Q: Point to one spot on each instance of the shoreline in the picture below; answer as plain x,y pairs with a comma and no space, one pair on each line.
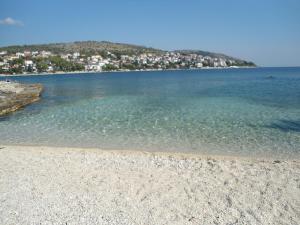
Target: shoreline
41,185
122,71
177,154
126,71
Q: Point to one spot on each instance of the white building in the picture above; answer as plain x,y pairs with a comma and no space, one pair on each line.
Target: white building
45,54
66,56
27,53
223,63
20,54
30,66
199,65
76,55
34,53
28,63
96,58
50,69
95,66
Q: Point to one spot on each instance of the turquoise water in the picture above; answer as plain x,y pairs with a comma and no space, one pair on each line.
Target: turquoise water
228,112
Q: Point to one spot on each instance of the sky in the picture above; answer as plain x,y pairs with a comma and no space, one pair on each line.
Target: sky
266,32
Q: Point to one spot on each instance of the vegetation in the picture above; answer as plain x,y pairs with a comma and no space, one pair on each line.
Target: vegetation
57,63
238,62
85,48
109,67
18,62
15,70
60,64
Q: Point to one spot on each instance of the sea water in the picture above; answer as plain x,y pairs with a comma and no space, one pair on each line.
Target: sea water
241,112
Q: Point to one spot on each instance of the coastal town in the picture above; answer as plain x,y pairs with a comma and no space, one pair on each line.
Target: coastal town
30,62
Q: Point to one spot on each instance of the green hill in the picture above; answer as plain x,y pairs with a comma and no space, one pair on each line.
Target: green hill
90,47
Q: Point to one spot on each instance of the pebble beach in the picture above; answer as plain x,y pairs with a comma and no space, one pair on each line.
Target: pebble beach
47,185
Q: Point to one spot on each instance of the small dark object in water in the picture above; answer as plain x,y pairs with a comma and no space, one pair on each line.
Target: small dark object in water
270,77
276,161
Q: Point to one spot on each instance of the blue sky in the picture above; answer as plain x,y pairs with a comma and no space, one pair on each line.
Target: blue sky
264,31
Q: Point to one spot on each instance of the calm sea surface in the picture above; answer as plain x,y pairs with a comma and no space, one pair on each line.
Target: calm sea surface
228,112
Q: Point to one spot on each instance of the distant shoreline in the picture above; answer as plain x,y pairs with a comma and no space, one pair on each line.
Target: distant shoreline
121,71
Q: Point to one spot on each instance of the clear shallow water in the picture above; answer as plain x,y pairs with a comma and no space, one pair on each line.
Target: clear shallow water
227,112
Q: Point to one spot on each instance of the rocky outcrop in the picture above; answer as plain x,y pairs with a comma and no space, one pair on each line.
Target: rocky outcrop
14,96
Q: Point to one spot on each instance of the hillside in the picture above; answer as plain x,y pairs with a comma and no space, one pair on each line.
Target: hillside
206,53
106,56
84,47
95,47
